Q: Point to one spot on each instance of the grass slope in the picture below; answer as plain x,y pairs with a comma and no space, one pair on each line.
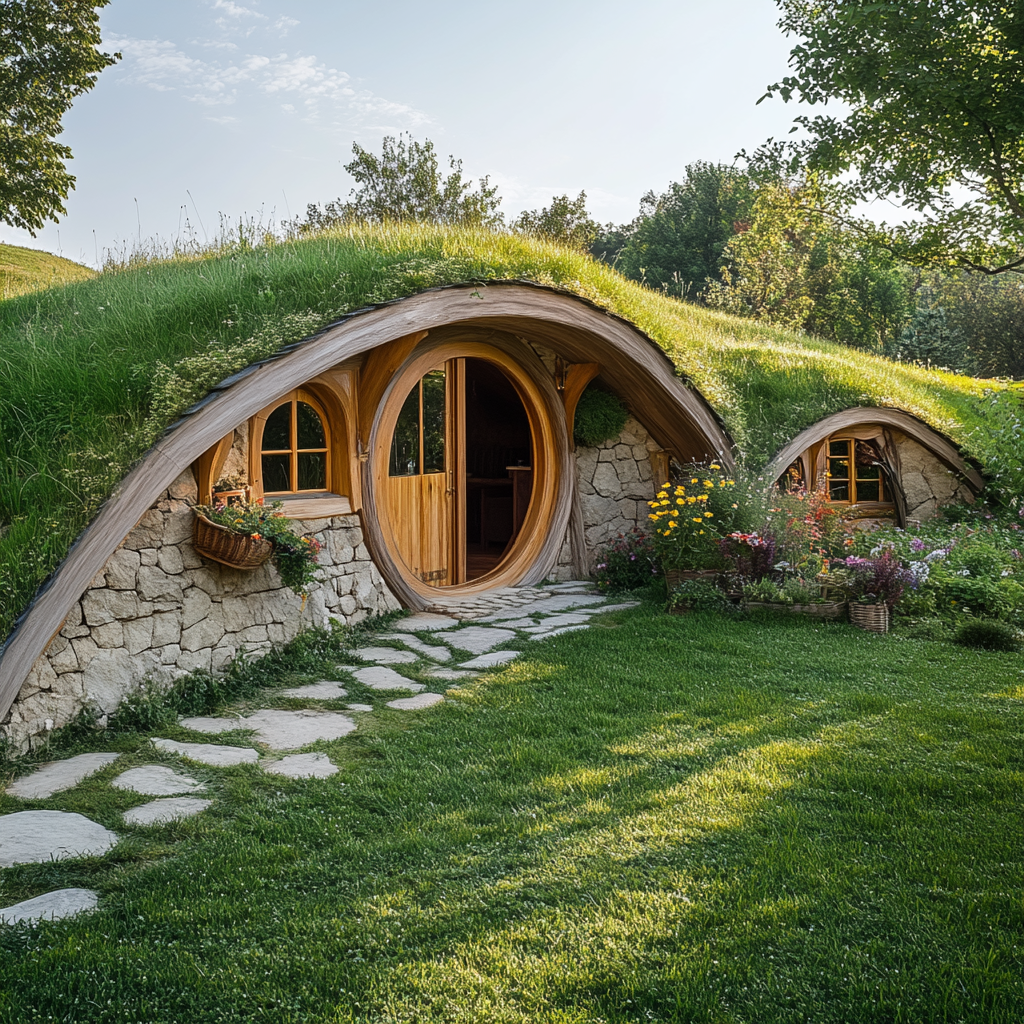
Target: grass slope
662,819
91,373
28,270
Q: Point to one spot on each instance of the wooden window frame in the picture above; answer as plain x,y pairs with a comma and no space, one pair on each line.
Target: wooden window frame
257,452
852,480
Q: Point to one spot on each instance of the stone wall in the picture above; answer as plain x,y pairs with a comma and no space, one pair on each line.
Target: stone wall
158,610
927,482
614,482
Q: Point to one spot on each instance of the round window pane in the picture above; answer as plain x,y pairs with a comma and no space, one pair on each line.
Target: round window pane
277,434
309,428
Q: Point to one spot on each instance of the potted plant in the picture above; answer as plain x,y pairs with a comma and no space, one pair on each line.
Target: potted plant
245,534
873,586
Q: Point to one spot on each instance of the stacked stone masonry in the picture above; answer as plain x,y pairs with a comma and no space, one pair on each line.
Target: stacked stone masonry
158,611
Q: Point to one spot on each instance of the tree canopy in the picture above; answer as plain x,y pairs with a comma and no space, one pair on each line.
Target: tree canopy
48,57
936,119
565,220
405,183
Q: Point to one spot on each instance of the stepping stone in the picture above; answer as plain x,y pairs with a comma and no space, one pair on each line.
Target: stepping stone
204,723
359,707
324,690
566,619
159,812
620,607
558,632
51,906
281,730
384,655
209,753
572,585
450,673
477,639
513,623
382,678
155,780
425,622
421,700
59,775
302,766
37,837
435,651
491,660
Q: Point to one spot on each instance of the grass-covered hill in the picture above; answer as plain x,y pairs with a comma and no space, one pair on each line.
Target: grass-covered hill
91,372
29,270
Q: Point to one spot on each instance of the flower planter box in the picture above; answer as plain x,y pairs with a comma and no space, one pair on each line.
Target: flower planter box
872,617
236,550
673,577
826,610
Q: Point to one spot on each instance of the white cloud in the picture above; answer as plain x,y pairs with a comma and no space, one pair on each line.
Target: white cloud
301,84
284,23
236,11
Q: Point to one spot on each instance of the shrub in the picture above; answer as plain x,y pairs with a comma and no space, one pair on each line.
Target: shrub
600,416
627,563
988,634
691,517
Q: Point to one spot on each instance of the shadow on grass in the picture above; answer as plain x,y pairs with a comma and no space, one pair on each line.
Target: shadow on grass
676,819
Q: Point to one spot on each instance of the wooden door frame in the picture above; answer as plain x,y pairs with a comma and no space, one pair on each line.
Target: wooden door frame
536,548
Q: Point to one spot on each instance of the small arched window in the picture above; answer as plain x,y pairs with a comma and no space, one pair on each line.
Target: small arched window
855,473
295,447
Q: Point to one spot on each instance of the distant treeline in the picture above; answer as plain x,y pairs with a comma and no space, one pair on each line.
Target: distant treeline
754,243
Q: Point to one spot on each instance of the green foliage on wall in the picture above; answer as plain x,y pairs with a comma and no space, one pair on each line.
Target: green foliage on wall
600,416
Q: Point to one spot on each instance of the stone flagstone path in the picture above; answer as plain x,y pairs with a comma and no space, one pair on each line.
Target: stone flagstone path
428,644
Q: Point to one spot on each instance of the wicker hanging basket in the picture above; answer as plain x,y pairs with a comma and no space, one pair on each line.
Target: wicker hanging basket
872,617
237,550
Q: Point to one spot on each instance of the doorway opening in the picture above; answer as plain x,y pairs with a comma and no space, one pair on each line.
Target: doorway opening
498,481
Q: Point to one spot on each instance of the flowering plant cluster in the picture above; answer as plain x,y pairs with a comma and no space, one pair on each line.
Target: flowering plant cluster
294,556
751,555
690,517
630,561
880,580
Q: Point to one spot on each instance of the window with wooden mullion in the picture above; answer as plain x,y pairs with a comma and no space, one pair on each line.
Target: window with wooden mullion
294,451
851,482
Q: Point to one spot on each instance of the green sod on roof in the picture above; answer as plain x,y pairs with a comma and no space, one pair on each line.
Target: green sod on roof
92,372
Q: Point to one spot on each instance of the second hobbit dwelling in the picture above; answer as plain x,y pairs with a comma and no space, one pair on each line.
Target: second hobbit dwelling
426,440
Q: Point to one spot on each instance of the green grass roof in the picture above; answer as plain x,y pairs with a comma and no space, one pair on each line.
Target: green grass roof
91,372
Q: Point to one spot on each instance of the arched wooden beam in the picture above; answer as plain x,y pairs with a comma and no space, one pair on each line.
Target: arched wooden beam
938,444
578,330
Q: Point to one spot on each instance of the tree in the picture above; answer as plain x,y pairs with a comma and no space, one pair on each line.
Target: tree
405,184
936,100
676,243
565,220
48,58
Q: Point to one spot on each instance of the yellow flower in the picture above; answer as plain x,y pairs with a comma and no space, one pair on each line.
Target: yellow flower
714,465
709,515
672,524
702,497
709,483
697,519
665,502
694,480
680,501
662,494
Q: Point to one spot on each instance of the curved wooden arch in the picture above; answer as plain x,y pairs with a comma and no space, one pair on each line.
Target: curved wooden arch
677,417
938,444
536,549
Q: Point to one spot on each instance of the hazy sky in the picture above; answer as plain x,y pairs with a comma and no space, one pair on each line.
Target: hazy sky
231,108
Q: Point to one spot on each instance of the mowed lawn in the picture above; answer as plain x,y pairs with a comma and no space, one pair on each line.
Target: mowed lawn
660,819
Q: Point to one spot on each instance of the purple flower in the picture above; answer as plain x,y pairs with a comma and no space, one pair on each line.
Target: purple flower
917,544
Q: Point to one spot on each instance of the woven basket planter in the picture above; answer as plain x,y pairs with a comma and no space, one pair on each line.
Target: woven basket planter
872,617
827,610
237,550
673,577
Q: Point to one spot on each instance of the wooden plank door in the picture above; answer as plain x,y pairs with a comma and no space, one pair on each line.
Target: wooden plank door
423,478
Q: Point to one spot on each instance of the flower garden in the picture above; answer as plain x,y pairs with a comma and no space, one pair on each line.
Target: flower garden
730,546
